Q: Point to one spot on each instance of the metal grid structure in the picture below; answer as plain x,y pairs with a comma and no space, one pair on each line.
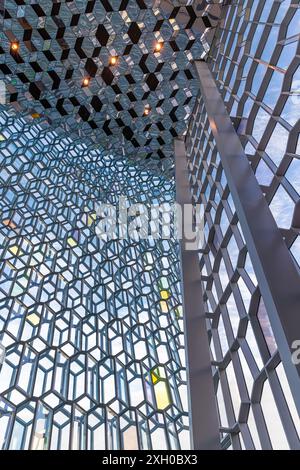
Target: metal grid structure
63,42
92,328
93,331
256,63
255,404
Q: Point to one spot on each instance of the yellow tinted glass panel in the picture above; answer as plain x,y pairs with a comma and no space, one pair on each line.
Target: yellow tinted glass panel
90,220
33,318
178,311
162,395
14,249
165,295
72,242
154,377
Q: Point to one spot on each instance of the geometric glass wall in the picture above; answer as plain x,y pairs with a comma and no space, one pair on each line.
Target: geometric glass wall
92,352
92,328
255,404
255,62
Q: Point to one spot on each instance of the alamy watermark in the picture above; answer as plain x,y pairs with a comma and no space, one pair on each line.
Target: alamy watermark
296,352
2,92
158,221
2,354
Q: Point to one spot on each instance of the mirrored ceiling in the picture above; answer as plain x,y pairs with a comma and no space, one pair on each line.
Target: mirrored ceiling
116,72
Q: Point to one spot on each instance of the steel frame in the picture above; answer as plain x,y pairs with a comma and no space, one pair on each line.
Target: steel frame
212,147
275,270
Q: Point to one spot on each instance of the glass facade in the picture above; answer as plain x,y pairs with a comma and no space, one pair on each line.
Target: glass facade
255,405
92,328
255,60
97,332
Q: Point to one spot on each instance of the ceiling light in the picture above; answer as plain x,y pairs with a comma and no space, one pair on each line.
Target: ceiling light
113,60
86,81
147,110
158,47
15,46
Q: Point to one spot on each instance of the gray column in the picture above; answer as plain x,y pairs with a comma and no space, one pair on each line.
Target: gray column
202,403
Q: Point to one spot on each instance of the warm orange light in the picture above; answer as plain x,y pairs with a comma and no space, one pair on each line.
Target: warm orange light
86,81
147,110
15,46
113,60
158,47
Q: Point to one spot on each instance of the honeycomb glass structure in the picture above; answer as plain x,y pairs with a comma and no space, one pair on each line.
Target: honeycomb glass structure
120,343
63,43
92,328
254,61
255,405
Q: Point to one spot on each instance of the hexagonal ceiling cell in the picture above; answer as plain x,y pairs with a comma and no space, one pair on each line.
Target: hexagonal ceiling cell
62,72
